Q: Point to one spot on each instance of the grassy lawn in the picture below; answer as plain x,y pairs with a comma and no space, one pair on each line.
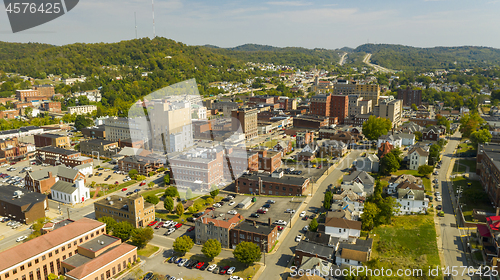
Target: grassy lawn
465,147
460,166
410,242
270,144
473,197
148,250
174,217
241,269
319,160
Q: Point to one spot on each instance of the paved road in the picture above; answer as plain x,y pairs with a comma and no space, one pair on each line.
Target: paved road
377,67
450,235
342,59
277,262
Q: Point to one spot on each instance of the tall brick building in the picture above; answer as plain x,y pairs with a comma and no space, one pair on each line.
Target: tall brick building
247,119
330,106
410,97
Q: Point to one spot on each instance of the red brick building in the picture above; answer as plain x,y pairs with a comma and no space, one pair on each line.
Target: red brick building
410,96
9,114
269,160
143,165
42,180
311,122
330,106
52,106
258,233
54,156
275,184
11,149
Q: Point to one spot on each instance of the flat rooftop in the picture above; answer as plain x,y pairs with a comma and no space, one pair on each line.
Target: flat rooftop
99,243
77,260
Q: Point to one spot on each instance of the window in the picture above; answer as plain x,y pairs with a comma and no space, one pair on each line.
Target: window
74,243
7,275
29,264
102,276
50,254
31,275
14,271
70,254
38,274
64,257
36,261
134,258
51,267
119,267
22,267
124,264
23,277
58,264
45,270
63,248
69,245
57,251
108,274
87,237
81,240
114,271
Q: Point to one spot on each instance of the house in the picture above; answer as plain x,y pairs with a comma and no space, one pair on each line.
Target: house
215,225
417,157
70,193
395,181
412,201
407,139
368,163
86,169
354,186
321,238
488,237
410,127
345,230
384,149
431,133
332,148
362,177
394,140
346,137
314,269
311,249
283,146
264,235
351,198
305,156
354,254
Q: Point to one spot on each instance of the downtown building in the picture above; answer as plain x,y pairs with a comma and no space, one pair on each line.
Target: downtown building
331,106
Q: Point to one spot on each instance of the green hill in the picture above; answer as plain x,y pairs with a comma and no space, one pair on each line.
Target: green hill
411,58
10,51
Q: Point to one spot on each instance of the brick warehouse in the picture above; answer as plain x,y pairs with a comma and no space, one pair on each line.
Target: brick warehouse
275,184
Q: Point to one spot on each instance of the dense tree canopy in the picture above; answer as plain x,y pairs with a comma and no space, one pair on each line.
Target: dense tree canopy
247,253
374,127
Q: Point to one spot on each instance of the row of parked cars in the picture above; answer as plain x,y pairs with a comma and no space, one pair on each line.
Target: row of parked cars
12,224
184,262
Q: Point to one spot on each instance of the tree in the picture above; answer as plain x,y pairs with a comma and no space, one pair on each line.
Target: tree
110,223
374,127
37,227
168,203
153,199
397,154
179,209
313,225
414,107
389,164
247,253
189,193
52,276
183,244
368,217
434,154
470,123
214,191
211,248
133,173
388,208
141,236
327,202
425,170
83,100
480,136
81,122
418,135
166,179
172,192
140,177
123,230
209,201
151,184
444,122
28,112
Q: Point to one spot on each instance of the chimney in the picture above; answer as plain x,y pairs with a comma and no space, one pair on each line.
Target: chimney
50,174
269,221
498,211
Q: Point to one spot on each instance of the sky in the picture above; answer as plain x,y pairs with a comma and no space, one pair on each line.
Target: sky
311,24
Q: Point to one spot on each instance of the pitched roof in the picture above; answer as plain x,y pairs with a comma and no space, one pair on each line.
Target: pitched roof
362,175
102,260
405,178
417,194
60,170
354,255
46,242
421,152
64,187
341,223
409,186
384,149
352,186
320,250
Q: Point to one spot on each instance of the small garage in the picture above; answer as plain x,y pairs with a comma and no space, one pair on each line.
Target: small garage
245,202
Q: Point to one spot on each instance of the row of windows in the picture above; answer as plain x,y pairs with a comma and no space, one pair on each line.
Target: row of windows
56,251
114,270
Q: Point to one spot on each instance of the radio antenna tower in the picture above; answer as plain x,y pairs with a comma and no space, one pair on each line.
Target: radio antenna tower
135,19
154,32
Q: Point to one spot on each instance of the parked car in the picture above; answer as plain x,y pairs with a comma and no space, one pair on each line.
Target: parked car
254,215
159,225
142,184
267,205
439,207
205,266
231,203
231,270
183,262
280,228
137,190
169,231
281,222
270,201
232,212
302,214
261,211
199,265
152,223
298,238
148,276
177,261
172,259
306,228
224,270
124,189
190,229
211,267
216,270
234,277
177,226
130,193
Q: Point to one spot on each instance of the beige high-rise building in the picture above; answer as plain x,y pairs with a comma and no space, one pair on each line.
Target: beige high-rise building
247,118
171,125
391,109
366,91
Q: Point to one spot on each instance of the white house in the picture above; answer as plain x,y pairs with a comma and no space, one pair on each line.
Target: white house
412,201
66,192
362,177
368,163
394,140
354,203
395,181
355,187
417,157
311,148
407,139
345,230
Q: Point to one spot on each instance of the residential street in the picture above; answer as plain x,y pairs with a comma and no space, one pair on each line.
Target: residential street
452,248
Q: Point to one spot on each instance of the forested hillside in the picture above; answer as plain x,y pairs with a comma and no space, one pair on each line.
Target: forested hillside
10,51
401,57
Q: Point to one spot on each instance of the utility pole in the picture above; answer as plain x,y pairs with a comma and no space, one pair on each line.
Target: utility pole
68,213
